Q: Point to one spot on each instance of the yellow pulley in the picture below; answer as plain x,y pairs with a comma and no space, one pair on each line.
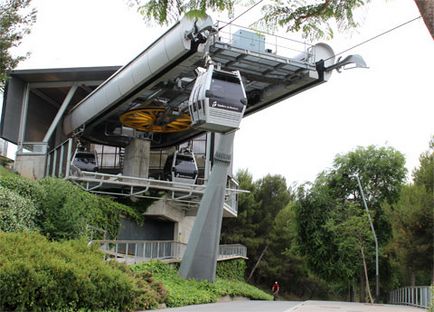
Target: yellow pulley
154,119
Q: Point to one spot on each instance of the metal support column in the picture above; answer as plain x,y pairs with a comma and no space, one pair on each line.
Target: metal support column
60,112
23,118
200,258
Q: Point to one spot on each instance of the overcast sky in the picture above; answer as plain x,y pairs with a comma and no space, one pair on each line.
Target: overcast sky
389,104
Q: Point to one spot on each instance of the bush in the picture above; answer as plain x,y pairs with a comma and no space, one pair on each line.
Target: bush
39,275
233,269
16,212
5,171
68,210
25,187
182,292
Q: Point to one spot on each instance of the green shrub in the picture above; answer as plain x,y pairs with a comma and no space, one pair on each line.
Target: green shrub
16,212
182,292
67,211
39,275
5,171
233,269
25,187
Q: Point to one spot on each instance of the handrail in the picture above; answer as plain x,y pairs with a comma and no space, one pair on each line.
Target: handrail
135,251
417,296
96,182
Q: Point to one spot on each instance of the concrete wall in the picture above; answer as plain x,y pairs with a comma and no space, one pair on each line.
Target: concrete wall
136,160
173,211
184,228
151,229
30,166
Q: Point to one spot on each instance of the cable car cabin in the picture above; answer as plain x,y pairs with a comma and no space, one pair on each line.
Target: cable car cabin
217,101
181,167
85,161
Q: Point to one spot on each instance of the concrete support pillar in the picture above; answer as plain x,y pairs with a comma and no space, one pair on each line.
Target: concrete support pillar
30,166
200,258
136,159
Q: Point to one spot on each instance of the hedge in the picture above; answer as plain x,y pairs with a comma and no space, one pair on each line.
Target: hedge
16,212
182,292
25,187
59,209
39,275
68,211
233,269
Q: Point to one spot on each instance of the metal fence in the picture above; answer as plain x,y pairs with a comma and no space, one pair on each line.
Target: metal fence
234,250
264,42
59,159
135,251
418,296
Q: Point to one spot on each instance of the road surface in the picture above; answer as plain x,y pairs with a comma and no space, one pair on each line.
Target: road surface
292,306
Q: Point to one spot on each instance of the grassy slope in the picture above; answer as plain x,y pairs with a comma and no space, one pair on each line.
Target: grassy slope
185,292
5,172
182,292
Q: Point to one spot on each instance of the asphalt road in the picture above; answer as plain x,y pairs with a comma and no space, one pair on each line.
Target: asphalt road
238,306
293,306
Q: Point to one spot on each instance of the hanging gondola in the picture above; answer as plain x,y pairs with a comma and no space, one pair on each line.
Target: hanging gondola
181,167
218,100
85,160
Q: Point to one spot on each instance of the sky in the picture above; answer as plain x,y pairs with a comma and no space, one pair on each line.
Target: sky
389,104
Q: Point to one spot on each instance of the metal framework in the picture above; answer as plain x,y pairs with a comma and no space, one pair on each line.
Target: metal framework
136,251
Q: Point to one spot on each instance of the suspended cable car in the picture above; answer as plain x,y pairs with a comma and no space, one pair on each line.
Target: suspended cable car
218,100
181,167
85,160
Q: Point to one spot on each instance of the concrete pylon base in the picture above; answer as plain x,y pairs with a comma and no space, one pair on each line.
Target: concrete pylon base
200,258
136,159
30,166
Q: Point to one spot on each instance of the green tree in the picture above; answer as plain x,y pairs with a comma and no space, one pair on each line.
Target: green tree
314,205
242,229
354,242
284,263
335,193
16,20
412,223
424,174
381,171
256,213
314,18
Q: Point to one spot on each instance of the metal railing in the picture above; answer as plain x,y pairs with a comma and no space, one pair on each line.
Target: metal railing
59,160
135,251
264,42
232,250
418,296
32,148
118,185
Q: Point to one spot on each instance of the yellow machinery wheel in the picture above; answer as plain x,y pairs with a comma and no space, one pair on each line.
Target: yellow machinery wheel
154,119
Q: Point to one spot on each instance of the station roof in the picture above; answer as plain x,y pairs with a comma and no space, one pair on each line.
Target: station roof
49,84
65,74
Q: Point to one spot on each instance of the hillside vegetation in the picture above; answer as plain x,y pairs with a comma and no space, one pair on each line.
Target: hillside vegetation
47,265
315,238
58,208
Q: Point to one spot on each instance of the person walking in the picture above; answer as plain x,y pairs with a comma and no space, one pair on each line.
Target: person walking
275,290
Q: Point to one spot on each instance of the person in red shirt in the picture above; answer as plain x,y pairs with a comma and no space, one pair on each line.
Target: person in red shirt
275,290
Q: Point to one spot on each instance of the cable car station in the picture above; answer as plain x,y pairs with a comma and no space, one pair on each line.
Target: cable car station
162,126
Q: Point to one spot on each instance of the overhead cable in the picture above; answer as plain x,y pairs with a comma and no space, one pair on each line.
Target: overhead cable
375,37
234,19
